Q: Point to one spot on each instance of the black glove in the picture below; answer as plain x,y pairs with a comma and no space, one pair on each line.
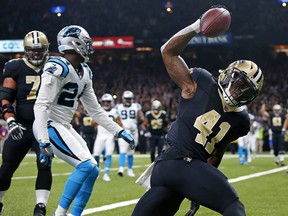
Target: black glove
15,129
127,137
193,209
46,153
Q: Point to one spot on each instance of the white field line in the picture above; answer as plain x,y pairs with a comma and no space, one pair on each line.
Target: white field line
131,202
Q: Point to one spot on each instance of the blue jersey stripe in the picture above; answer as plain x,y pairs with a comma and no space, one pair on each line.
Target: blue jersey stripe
62,64
53,135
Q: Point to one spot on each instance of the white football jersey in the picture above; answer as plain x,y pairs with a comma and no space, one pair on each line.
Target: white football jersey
111,114
128,115
61,89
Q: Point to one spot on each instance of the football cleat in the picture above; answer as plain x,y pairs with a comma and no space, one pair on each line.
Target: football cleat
40,209
130,173
106,178
121,171
1,208
193,209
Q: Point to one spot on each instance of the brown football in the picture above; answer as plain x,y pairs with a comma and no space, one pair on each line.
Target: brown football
215,22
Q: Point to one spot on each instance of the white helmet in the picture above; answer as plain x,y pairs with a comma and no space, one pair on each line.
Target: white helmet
277,109
36,47
107,101
76,38
127,98
240,83
156,105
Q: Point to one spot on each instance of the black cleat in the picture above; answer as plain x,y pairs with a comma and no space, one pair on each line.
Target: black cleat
193,209
40,209
1,208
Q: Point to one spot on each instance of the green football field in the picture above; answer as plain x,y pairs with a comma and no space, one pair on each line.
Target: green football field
261,185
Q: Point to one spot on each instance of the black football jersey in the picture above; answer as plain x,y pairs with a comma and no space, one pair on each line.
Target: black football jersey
157,122
28,83
202,124
276,122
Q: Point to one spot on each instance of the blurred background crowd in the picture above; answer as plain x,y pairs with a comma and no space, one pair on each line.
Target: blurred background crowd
259,32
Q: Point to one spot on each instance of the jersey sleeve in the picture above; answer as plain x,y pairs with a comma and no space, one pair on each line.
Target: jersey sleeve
11,69
56,67
50,86
91,104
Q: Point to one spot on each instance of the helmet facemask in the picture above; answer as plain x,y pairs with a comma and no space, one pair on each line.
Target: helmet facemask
127,98
36,48
107,101
237,87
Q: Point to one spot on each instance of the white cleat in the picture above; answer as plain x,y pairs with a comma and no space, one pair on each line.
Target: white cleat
121,171
106,178
130,173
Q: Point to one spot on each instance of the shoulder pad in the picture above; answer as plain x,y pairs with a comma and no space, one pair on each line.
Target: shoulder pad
11,66
57,67
138,105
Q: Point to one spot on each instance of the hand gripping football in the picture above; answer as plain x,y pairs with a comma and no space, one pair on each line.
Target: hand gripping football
215,22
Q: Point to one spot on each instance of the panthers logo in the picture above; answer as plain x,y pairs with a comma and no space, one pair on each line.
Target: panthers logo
72,32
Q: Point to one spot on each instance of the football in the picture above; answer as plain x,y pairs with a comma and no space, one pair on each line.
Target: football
215,22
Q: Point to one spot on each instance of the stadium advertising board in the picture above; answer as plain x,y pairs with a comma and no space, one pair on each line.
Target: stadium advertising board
220,40
113,42
11,46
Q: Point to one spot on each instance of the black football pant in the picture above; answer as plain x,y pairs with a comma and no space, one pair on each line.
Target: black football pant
174,180
13,153
155,141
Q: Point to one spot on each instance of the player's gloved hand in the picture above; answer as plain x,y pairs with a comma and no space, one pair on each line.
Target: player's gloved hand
46,153
193,209
15,129
127,137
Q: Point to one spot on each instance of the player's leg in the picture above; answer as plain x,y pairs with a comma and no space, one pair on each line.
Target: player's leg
70,147
275,148
98,147
109,146
43,182
153,142
158,201
130,155
202,183
13,153
123,148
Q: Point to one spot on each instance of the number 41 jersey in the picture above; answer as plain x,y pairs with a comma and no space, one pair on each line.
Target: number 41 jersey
205,122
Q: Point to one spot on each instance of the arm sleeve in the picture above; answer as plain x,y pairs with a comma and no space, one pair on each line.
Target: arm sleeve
49,88
94,109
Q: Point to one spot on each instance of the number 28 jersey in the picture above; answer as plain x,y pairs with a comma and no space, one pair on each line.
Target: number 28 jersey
204,122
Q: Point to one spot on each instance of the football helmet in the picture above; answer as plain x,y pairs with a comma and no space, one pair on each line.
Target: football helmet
76,38
277,109
240,82
107,101
127,98
36,47
156,106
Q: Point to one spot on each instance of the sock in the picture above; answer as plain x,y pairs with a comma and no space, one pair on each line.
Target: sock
240,153
122,159
42,196
85,192
2,194
74,183
60,211
130,160
108,163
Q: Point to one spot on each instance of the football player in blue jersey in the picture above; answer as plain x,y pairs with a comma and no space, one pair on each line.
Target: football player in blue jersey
20,85
66,81
209,118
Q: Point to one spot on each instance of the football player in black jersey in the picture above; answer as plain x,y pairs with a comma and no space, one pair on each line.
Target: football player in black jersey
156,122
276,118
210,116
18,95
